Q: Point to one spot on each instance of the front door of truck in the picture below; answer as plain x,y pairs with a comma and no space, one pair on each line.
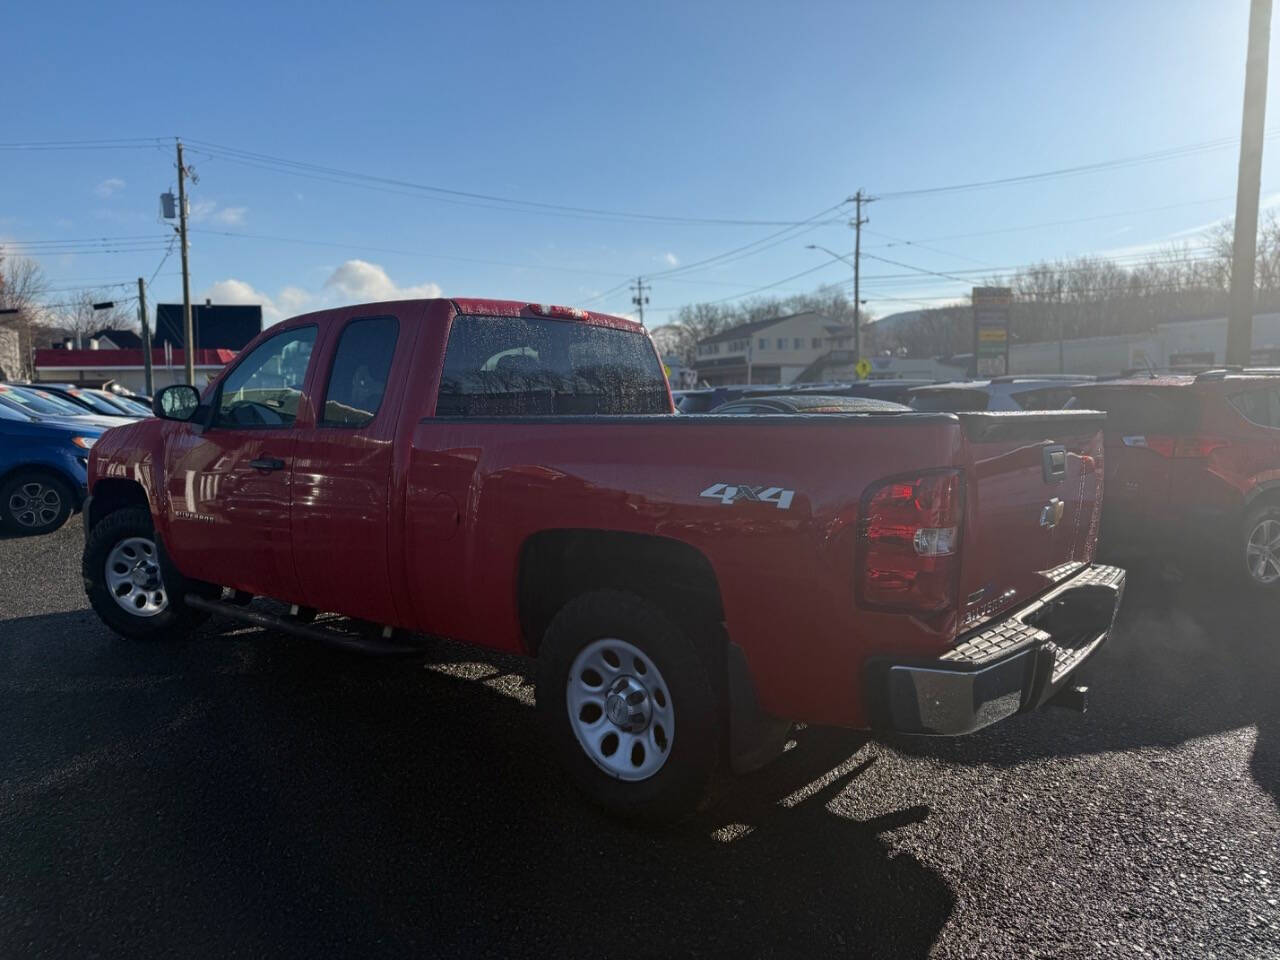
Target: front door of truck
343,467
229,485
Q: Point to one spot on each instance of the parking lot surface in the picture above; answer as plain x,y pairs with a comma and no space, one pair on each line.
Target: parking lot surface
249,794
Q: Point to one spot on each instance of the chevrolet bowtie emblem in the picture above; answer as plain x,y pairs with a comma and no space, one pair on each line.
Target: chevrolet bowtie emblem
1051,513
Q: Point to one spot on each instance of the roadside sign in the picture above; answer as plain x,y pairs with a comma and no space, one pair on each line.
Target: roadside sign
863,369
992,307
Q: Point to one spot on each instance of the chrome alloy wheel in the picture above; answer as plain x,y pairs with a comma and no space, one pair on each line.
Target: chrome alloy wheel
620,709
133,577
1262,554
35,504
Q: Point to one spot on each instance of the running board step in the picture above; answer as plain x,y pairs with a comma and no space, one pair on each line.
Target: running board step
366,646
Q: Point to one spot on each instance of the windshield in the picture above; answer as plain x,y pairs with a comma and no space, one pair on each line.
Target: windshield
39,402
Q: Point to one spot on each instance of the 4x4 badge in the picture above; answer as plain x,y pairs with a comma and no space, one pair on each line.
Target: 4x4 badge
728,493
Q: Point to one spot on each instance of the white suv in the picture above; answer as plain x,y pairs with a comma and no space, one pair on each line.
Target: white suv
1048,392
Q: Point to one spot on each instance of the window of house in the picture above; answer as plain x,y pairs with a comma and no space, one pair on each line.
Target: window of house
764,343
521,366
797,343
358,377
817,343
782,343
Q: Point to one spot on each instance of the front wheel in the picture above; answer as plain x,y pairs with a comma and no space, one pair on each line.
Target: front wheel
628,703
1261,554
34,502
124,583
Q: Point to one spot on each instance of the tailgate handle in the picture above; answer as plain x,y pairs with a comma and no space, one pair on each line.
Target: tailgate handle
267,463
1055,464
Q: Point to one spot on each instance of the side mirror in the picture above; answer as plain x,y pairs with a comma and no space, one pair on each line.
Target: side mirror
178,402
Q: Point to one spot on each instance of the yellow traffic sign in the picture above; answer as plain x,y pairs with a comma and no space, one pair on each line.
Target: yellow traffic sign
863,369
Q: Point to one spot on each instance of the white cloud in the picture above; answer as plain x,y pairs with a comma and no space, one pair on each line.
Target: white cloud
672,259
109,186
356,281
208,210
230,216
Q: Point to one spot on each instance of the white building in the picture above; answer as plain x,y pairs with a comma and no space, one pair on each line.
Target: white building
776,350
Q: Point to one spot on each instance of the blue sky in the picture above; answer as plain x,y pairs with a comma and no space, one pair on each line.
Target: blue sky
712,111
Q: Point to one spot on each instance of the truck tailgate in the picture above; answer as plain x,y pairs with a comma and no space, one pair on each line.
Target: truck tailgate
1032,502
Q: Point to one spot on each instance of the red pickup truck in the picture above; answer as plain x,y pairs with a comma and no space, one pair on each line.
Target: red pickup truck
515,476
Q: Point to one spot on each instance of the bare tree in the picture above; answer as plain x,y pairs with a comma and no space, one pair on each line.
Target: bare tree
77,316
22,286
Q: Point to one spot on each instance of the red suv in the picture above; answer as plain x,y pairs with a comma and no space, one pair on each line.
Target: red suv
1194,462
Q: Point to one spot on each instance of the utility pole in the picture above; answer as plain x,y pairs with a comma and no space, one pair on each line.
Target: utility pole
1248,184
858,220
640,296
188,342
1062,359
149,387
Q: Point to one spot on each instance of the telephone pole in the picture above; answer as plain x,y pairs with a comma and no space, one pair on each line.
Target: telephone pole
1248,184
146,339
640,296
858,220
188,342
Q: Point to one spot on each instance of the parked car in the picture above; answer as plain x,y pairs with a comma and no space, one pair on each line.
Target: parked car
43,463
706,399
808,403
512,475
96,401
1048,392
895,391
32,400
1193,463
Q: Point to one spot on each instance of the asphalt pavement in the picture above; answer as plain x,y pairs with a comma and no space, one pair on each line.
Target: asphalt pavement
246,794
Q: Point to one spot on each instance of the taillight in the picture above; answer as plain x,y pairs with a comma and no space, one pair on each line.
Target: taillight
1183,448
909,540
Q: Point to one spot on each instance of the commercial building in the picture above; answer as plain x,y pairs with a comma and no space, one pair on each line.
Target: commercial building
94,366
775,350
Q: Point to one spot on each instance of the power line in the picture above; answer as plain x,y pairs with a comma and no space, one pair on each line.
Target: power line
1171,153
304,168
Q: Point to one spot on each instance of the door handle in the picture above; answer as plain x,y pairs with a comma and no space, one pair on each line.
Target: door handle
267,463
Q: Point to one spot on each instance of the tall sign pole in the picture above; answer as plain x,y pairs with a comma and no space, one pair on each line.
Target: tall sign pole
188,341
1244,248
146,340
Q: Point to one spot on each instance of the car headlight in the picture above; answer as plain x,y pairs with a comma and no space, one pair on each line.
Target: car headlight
84,442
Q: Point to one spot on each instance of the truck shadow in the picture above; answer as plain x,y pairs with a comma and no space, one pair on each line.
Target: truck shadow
262,796
1190,658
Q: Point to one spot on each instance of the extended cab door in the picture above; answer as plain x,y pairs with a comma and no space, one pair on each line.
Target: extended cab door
228,484
342,474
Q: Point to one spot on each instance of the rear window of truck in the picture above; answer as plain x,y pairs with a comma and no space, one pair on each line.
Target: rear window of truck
949,401
523,366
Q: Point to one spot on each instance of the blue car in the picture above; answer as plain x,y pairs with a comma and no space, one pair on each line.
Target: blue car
43,463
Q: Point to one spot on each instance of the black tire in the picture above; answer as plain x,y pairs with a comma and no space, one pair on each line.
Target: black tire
173,622
33,502
695,752
1253,523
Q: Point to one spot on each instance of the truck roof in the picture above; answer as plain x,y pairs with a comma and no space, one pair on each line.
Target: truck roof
518,308
480,306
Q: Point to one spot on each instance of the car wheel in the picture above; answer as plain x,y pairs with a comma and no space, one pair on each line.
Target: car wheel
124,582
1261,536
627,703
35,502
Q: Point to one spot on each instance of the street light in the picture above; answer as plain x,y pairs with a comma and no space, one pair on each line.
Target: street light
857,304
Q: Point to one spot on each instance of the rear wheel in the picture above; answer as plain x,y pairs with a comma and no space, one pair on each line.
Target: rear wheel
628,704
1261,549
124,581
34,502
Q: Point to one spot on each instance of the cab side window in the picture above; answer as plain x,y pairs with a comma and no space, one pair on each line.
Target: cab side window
265,388
1259,406
358,378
